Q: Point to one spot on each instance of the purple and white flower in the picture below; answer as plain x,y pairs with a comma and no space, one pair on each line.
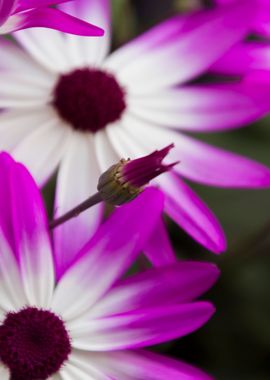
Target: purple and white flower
88,323
22,14
69,105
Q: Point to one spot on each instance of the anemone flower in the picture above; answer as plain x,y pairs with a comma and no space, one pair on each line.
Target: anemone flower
70,106
87,322
22,14
261,9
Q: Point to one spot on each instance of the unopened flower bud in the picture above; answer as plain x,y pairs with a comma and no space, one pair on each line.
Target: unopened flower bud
123,181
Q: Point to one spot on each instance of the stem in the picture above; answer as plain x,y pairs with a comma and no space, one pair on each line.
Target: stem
90,202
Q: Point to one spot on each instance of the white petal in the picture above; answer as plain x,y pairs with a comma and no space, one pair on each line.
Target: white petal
81,366
21,90
107,255
198,108
12,296
77,181
106,154
24,225
183,56
123,142
89,50
47,47
15,59
16,124
42,150
143,365
55,377
4,373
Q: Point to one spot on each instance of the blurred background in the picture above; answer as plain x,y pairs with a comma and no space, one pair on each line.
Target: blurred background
235,344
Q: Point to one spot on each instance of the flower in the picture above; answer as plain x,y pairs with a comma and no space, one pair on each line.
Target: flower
87,322
68,106
22,14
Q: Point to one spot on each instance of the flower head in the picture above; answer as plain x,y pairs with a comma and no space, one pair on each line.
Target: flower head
87,321
122,182
69,104
22,14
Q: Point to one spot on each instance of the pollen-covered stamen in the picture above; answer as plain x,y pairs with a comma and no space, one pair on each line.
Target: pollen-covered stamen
89,99
124,181
34,344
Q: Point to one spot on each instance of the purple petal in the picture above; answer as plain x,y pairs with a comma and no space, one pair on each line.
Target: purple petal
262,23
261,9
148,41
180,282
6,7
158,249
92,11
139,365
206,164
181,203
22,5
141,328
108,255
244,57
50,18
199,108
219,29
98,12
188,210
24,224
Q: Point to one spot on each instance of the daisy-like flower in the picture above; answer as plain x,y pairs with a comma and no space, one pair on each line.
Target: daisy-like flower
22,14
88,323
70,106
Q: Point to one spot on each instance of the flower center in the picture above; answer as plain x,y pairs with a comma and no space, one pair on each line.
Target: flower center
89,99
34,344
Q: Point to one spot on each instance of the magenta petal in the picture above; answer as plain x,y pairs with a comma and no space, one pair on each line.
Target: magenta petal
24,224
109,254
158,249
176,283
244,57
206,164
6,7
22,5
188,210
141,328
261,9
93,11
54,19
200,107
219,29
145,365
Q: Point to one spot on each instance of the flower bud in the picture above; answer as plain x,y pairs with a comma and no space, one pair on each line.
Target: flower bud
125,180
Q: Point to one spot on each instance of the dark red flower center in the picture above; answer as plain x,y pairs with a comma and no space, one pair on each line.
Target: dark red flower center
89,99
34,344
